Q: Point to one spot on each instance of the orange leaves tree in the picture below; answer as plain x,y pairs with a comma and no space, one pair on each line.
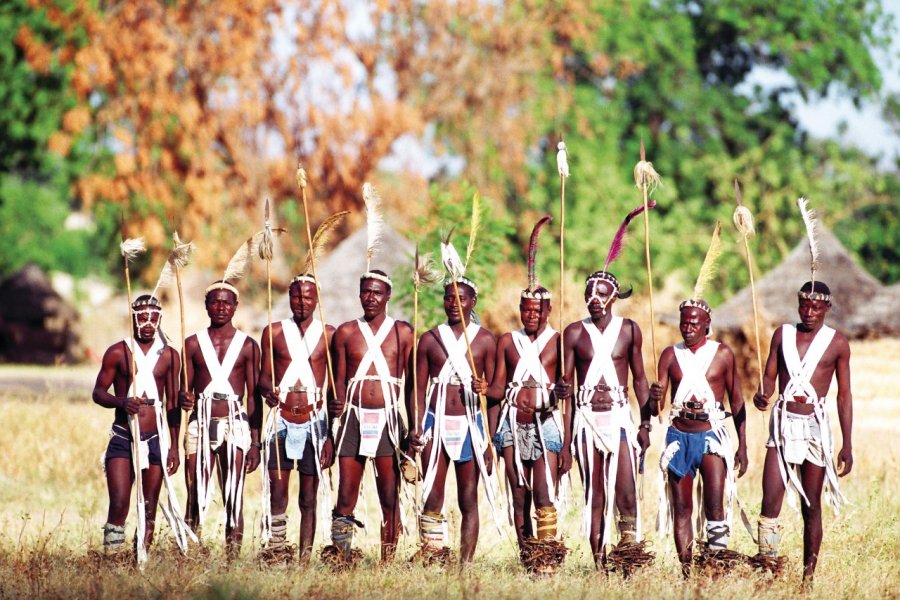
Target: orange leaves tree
204,108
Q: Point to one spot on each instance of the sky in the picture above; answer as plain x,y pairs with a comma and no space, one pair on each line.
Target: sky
865,128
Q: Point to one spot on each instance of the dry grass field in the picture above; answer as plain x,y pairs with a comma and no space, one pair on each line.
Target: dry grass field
53,506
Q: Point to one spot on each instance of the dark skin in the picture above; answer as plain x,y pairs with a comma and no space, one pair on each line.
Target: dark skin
534,315
303,302
430,360
115,371
723,378
220,307
349,348
626,355
834,362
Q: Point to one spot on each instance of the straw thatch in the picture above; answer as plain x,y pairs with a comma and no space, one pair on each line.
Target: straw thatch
341,267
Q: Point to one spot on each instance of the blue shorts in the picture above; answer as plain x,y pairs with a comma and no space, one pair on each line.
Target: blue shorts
692,447
465,454
120,445
528,442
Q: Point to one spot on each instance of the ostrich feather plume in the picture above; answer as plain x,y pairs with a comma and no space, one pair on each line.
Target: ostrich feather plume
709,264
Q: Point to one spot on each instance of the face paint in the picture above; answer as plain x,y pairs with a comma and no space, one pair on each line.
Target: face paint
602,292
148,317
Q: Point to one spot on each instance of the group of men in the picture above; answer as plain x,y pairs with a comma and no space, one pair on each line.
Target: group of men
541,398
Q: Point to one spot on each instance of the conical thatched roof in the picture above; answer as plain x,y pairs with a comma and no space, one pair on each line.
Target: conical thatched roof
340,269
877,318
852,288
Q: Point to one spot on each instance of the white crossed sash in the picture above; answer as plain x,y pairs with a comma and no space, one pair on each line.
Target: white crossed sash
300,348
144,385
219,373
602,429
800,384
528,368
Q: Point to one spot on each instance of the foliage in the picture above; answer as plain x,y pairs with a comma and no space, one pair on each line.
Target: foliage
702,130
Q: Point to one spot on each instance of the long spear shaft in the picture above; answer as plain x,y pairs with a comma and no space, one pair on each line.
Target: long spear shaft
133,424
271,346
301,179
644,194
415,419
745,239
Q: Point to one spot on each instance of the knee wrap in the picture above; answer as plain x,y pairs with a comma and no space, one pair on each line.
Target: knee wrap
628,530
718,534
113,538
546,522
769,532
431,529
278,536
342,532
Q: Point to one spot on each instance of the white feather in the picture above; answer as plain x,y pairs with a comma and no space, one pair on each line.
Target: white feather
809,219
450,259
562,161
131,247
374,221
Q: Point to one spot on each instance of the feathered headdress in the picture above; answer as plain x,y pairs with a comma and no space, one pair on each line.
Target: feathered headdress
374,227
178,258
534,290
809,220
319,241
424,272
453,264
706,273
615,249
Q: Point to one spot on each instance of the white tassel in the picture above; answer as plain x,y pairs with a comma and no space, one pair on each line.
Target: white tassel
374,221
131,247
562,161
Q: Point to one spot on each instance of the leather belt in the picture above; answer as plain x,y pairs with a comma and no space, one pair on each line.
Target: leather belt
299,411
605,388
299,389
220,396
694,416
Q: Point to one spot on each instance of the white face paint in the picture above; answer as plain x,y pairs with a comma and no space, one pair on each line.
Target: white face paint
602,292
148,317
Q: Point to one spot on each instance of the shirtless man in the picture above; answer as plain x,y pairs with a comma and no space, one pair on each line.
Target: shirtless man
530,433
453,428
371,355
304,439
804,357
601,349
151,397
701,372
222,363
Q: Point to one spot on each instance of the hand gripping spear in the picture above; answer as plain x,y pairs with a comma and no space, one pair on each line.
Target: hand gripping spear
647,179
743,221
130,248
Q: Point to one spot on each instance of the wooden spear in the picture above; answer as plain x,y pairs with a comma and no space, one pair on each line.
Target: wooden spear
743,221
266,252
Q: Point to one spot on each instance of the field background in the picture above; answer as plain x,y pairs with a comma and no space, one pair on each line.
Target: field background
53,505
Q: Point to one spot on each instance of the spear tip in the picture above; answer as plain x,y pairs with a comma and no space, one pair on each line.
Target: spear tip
643,151
267,209
737,192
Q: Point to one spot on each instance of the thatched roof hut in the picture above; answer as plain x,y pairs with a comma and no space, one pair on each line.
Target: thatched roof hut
879,317
37,325
340,269
851,286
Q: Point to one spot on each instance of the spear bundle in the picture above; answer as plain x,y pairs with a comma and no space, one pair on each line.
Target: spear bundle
130,248
424,274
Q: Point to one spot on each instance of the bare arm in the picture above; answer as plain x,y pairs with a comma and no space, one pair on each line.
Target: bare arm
339,355
173,413
658,389
760,399
638,377
264,382
107,376
736,402
845,408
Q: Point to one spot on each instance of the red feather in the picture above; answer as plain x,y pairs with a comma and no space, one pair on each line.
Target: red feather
615,248
532,251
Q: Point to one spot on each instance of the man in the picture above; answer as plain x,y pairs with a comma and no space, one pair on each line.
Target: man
530,433
299,346
701,372
804,358
453,423
600,350
371,354
149,398
222,365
